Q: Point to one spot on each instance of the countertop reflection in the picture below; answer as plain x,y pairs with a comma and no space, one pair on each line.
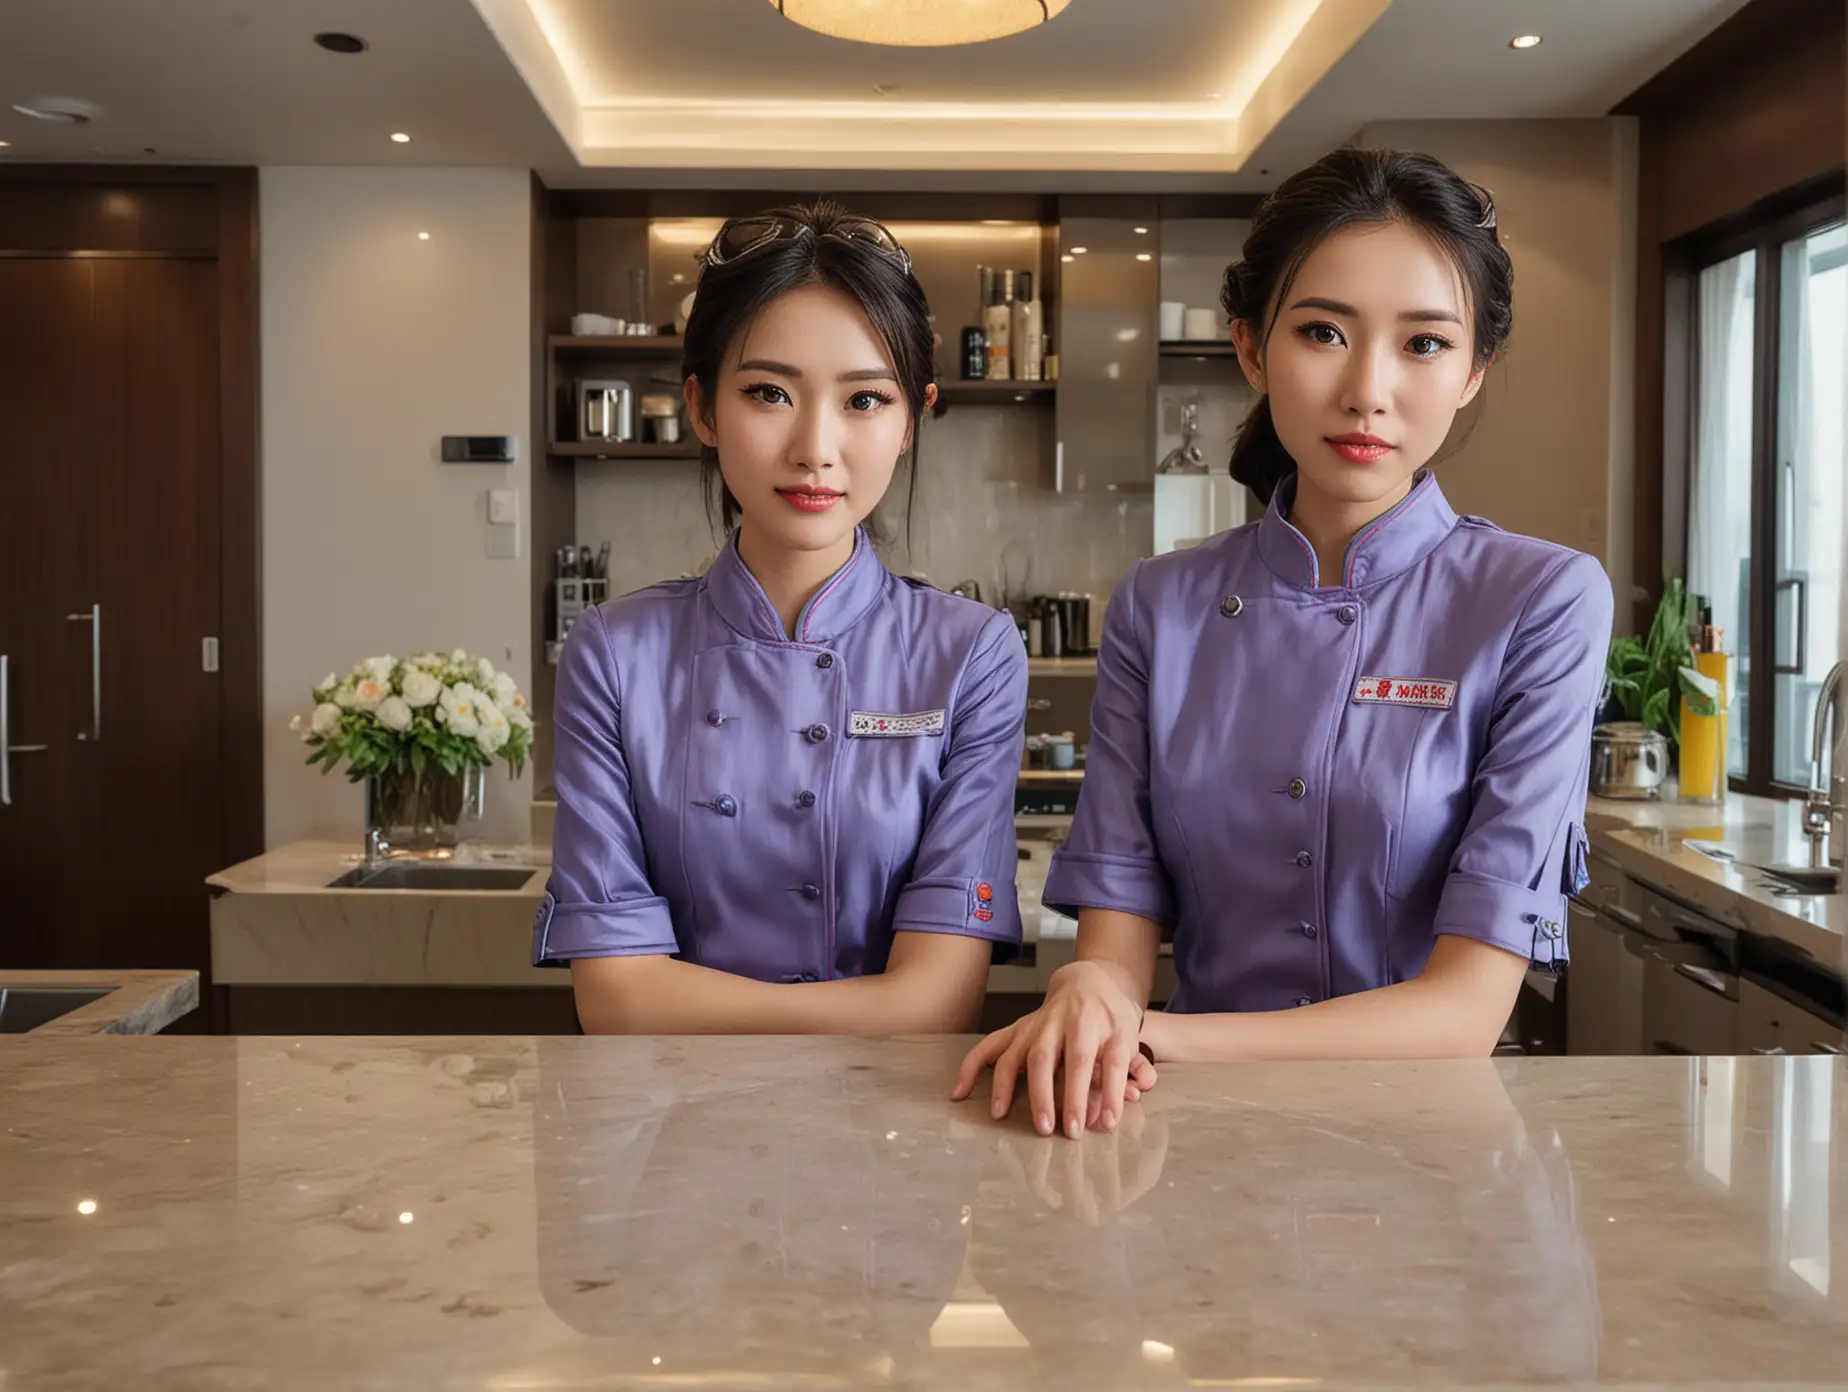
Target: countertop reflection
521,1214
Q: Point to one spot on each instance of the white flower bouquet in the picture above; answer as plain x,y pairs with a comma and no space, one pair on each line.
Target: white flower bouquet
420,733
428,711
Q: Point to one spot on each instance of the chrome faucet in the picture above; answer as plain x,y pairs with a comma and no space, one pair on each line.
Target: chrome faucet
1819,808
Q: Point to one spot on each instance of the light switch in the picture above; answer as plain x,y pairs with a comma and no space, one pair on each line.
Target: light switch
503,505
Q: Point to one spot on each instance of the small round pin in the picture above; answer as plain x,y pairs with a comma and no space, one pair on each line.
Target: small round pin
1231,606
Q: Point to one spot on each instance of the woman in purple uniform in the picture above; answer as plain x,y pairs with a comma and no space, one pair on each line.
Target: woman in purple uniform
786,788
1340,753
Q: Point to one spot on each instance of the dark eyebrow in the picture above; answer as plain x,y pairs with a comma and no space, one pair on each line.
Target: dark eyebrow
1410,316
863,374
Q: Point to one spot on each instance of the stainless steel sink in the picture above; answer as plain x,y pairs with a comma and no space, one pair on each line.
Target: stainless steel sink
25,1008
421,875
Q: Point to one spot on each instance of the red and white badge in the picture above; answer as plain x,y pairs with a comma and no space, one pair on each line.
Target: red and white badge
880,725
1406,691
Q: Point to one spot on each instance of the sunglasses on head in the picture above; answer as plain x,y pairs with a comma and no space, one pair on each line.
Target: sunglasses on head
742,237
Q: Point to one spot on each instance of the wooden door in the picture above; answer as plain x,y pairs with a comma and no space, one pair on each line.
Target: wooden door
46,859
109,586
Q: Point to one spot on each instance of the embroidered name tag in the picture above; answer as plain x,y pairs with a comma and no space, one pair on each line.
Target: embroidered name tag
877,725
1406,691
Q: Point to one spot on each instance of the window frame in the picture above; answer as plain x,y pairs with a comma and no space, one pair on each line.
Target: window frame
1762,230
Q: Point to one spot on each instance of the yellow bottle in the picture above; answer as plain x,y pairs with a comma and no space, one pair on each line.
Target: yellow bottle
1703,738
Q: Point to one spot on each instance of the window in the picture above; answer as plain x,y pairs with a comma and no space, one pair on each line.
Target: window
1768,356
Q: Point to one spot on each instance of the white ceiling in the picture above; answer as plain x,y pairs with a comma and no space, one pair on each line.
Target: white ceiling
1113,93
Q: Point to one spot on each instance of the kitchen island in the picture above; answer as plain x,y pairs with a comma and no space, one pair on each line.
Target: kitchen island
516,1213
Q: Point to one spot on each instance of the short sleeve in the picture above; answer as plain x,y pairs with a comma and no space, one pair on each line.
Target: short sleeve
1523,849
963,878
598,901
1111,860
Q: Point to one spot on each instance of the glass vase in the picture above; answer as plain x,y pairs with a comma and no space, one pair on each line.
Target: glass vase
423,816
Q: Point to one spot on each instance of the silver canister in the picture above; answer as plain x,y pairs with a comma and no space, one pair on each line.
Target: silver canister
1628,760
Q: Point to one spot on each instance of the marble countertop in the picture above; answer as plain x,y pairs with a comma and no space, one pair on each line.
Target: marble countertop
139,1001
1650,841
508,1213
308,867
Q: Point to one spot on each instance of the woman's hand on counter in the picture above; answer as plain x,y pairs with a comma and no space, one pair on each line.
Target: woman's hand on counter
1079,1052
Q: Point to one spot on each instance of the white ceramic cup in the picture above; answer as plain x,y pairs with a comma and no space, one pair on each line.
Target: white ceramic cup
1173,319
1202,323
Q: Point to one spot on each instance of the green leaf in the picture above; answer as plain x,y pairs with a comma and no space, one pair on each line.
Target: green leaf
1656,711
417,759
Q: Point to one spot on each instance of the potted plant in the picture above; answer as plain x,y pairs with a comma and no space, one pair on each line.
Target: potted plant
1646,677
420,734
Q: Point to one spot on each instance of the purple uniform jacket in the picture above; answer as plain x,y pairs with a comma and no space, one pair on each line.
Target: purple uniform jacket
1309,784
779,809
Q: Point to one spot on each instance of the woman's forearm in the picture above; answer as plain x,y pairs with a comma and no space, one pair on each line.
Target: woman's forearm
937,989
1124,945
1456,1008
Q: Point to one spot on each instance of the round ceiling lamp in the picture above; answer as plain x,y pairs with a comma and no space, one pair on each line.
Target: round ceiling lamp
920,23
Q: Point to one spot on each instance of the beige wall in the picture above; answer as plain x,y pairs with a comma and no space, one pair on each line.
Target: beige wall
374,345
1551,450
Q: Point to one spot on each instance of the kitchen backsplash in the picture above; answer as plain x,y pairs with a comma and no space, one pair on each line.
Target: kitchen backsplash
984,503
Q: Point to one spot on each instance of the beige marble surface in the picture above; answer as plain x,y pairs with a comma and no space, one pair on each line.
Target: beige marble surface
1649,842
589,1213
139,1001
309,867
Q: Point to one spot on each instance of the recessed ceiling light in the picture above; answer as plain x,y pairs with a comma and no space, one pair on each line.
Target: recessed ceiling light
336,42
1079,251
1142,231
1144,256
423,236
400,138
1524,41
4,144
1066,257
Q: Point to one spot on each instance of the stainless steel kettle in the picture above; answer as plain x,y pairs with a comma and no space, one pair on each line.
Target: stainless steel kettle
1628,760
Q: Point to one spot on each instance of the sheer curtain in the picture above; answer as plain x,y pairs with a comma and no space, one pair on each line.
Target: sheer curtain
1720,490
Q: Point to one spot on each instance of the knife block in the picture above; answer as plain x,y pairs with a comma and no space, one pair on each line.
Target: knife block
570,598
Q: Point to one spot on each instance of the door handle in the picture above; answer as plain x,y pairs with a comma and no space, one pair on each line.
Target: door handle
95,619
7,748
1801,665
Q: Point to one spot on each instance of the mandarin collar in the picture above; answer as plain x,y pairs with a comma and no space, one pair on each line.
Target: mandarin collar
836,607
1391,543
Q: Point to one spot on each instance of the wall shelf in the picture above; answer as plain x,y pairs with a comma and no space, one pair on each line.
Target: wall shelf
601,449
998,393
619,345
1199,348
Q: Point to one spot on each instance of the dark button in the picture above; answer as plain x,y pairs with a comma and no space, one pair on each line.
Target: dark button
805,799
725,805
1305,1000
817,733
1231,606
1347,613
825,661
1298,787
810,891
714,719
1308,929
1304,859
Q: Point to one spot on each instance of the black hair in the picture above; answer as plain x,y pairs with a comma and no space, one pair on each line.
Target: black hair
1348,188
732,294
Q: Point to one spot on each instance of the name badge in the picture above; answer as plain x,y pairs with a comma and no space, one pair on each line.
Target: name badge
879,725
1406,691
